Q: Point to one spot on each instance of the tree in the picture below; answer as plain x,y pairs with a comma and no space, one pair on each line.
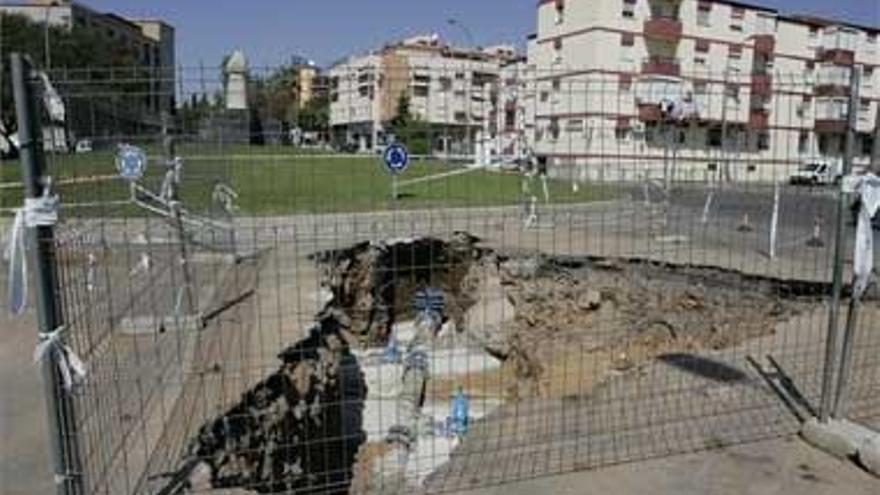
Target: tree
410,129
72,51
315,116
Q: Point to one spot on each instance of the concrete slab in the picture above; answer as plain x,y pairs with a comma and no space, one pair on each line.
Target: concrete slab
776,467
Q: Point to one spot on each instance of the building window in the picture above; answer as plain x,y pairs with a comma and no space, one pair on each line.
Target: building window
624,82
560,11
764,141
864,108
803,142
575,126
704,10
735,52
868,77
621,133
629,9
627,39
813,37
445,84
703,46
459,76
557,85
804,106
421,91
557,50
737,14
700,61
731,91
554,128
867,144
713,137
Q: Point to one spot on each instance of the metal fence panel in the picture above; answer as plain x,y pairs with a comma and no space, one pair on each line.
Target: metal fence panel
567,276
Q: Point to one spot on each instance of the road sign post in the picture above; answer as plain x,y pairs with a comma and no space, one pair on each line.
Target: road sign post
396,160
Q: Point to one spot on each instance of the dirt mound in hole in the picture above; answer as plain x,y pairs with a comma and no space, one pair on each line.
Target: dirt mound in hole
577,320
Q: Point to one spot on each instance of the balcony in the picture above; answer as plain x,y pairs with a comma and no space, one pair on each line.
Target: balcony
759,118
765,44
762,85
832,89
661,66
649,112
836,126
663,27
836,56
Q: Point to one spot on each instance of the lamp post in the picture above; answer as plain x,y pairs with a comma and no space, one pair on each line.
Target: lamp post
467,32
47,57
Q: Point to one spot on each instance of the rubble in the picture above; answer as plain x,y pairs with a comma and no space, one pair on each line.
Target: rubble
515,325
299,430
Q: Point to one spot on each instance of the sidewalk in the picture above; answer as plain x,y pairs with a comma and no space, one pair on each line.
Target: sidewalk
777,467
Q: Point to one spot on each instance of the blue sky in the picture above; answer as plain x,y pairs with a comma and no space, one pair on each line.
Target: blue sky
325,30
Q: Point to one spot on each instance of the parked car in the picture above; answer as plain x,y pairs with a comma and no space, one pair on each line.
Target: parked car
818,172
84,146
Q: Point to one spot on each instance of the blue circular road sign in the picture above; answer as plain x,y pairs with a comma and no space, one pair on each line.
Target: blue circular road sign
396,158
131,162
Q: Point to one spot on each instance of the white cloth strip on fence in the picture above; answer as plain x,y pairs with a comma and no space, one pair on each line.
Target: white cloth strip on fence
868,190
72,369
36,212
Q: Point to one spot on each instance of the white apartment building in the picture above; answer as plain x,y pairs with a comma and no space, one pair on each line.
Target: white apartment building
761,91
449,88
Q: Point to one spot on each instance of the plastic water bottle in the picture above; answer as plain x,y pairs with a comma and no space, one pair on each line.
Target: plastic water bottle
459,413
392,351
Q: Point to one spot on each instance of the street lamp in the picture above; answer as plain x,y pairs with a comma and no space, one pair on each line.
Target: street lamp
46,56
467,32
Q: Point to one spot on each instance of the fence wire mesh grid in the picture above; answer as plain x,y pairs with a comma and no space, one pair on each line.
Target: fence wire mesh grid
569,275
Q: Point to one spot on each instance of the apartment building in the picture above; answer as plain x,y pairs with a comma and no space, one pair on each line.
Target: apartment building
449,88
152,41
761,91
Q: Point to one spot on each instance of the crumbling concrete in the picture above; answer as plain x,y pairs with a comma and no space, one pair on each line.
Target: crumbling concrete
298,430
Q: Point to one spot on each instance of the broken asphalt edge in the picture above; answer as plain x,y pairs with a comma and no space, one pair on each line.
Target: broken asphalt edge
846,440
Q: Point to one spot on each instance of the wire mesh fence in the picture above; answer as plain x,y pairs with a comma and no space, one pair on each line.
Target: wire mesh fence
572,272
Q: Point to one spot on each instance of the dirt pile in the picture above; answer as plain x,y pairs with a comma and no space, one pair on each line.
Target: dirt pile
578,320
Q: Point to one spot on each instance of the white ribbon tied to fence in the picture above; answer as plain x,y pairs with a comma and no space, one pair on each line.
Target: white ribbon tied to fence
36,212
868,190
70,366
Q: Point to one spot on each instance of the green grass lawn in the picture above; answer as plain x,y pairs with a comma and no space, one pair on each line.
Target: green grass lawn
269,182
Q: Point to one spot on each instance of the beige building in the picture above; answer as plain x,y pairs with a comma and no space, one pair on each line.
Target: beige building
449,88
756,92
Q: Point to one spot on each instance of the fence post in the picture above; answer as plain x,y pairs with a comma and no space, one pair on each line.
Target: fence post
853,311
63,437
774,221
831,351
